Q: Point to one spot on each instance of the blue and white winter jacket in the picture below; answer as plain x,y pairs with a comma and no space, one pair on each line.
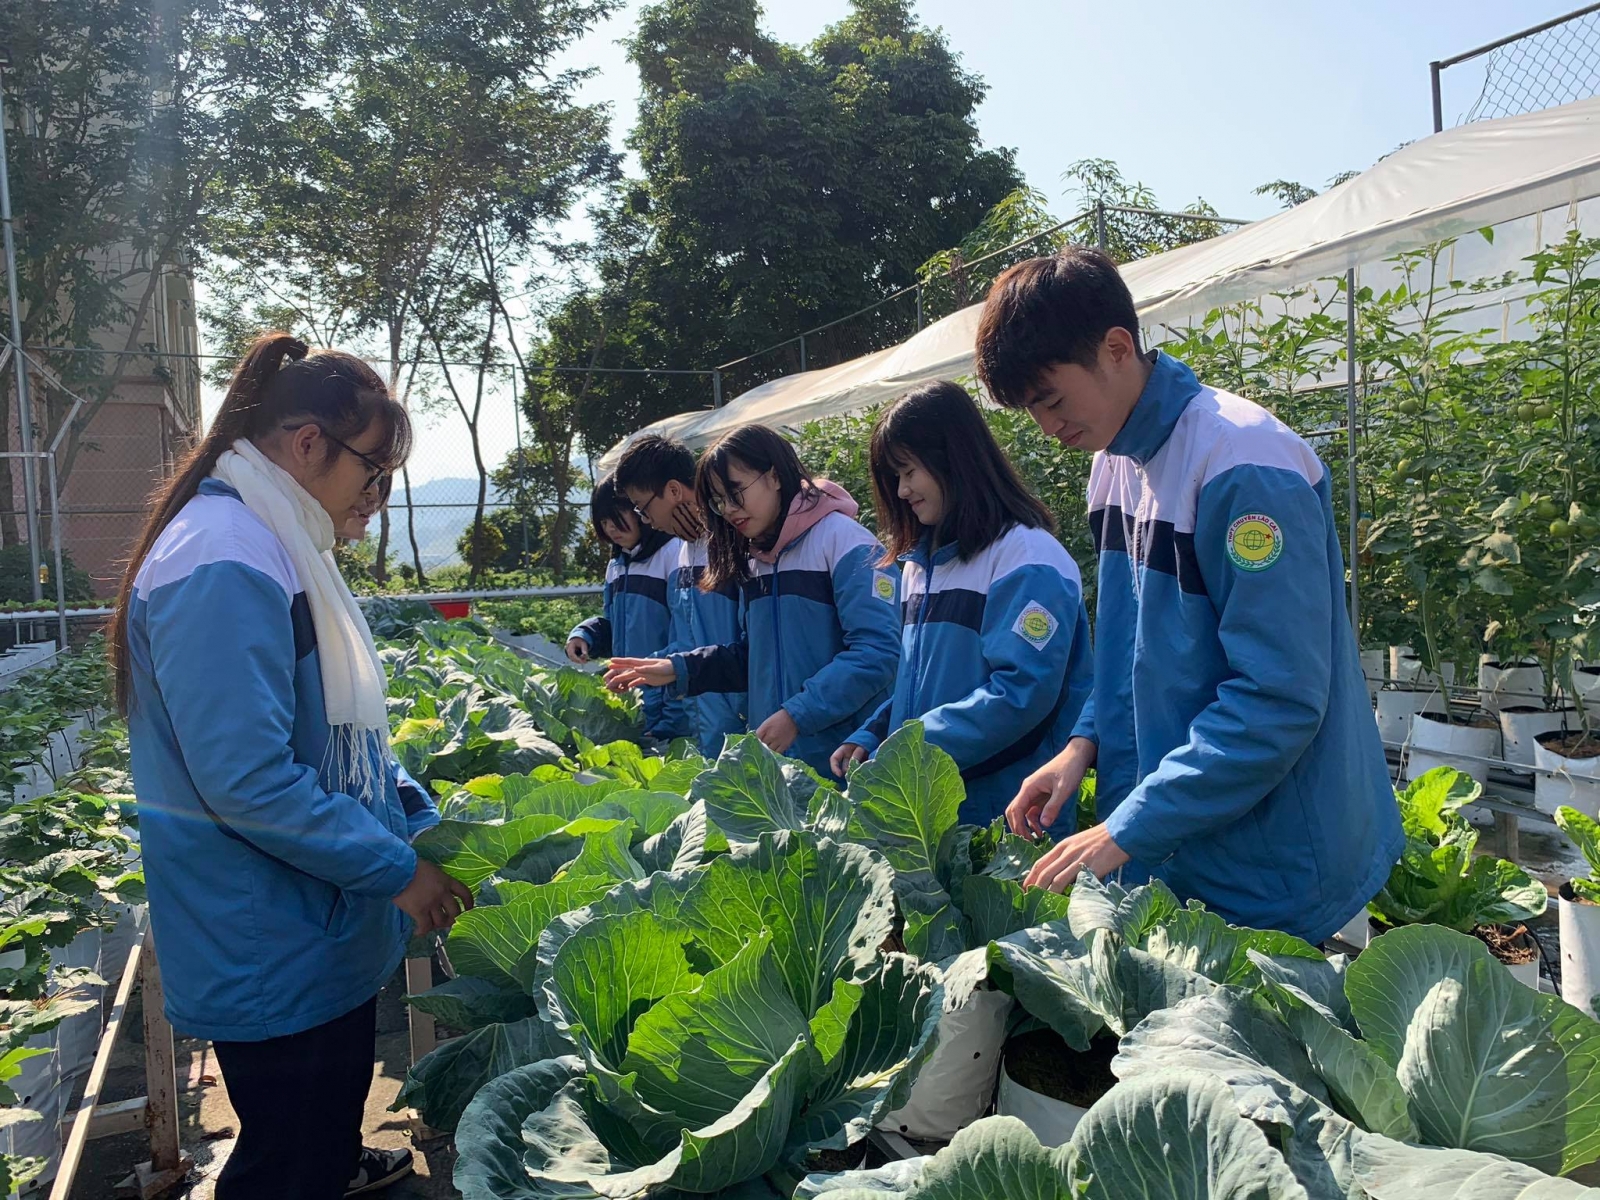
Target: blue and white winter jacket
270,889
636,619
702,618
822,631
995,661
1236,741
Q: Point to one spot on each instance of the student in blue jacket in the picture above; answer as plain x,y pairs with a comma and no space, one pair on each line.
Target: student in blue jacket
994,650
656,474
1230,724
635,617
276,842
822,618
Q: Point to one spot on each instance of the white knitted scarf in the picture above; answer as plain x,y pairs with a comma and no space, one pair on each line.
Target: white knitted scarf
353,688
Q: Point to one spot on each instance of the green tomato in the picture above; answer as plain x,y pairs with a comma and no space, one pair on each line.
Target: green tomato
1525,412
1544,411
1403,468
1547,510
1410,407
1559,528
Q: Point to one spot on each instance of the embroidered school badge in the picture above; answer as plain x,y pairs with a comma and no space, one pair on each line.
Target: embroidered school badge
1035,625
1254,542
883,586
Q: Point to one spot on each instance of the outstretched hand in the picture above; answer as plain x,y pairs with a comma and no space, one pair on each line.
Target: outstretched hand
1091,850
625,674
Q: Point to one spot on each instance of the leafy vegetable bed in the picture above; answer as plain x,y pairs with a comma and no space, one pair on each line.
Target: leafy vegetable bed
686,976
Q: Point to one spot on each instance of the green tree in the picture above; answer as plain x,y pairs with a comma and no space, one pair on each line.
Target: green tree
784,186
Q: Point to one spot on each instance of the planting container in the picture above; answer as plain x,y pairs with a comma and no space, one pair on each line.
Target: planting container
1396,654
1435,742
1396,707
1509,684
1559,780
1357,931
1580,951
955,1085
452,609
1520,724
1526,973
1409,669
1048,1119
1374,665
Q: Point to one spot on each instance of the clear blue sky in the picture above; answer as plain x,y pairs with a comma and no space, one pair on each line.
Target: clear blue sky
1194,99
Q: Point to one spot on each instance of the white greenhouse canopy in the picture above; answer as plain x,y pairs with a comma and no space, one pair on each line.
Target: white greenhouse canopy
1455,182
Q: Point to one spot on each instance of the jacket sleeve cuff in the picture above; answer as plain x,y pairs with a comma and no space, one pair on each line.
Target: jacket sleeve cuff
397,877
1126,831
802,716
866,739
680,669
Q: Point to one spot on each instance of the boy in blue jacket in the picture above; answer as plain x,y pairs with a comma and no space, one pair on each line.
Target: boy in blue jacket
635,617
1229,723
656,474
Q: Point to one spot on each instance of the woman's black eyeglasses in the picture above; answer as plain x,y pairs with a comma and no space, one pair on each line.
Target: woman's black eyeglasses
378,471
732,498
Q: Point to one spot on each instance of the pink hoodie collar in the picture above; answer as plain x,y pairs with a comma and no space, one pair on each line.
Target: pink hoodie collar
803,514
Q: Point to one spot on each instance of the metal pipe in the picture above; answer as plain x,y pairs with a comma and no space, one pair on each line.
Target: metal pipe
55,540
30,491
1516,37
1100,238
919,308
1438,100
1350,425
1180,216
802,352
522,467
716,388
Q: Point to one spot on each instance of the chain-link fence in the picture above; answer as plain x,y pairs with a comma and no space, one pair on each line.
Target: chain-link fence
1553,63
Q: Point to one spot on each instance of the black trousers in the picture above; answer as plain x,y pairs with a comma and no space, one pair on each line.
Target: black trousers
299,1100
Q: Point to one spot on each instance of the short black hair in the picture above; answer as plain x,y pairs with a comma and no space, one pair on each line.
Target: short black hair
607,504
984,496
1048,311
651,462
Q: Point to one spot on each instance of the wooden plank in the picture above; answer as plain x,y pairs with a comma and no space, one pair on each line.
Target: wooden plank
419,978
160,1069
1508,840
73,1154
113,1120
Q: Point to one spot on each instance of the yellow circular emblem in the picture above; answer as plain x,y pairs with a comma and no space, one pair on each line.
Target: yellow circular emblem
885,587
1036,625
1254,542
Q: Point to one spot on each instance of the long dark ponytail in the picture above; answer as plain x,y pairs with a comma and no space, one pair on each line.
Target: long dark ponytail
277,381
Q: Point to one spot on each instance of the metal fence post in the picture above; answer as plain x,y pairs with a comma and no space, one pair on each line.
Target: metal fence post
919,307
716,389
55,540
30,490
802,352
522,467
1438,100
1100,237
1350,441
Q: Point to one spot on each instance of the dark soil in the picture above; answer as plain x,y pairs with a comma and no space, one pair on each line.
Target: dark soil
1475,721
1572,897
1574,744
1512,945
1042,1062
850,1158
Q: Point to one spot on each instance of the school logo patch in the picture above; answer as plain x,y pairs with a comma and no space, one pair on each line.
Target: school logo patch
1035,625
883,586
1254,542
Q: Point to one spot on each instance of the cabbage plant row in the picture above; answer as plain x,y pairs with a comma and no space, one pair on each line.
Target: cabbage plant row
717,977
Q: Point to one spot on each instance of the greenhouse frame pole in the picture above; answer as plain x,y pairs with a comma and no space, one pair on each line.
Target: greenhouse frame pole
1350,442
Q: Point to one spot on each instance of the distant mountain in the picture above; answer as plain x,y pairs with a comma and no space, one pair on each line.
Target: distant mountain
443,509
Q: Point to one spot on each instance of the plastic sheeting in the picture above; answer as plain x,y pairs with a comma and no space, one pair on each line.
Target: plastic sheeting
1455,182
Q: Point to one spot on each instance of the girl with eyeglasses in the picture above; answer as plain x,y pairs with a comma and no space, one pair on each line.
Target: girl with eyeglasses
635,617
994,652
822,616
277,853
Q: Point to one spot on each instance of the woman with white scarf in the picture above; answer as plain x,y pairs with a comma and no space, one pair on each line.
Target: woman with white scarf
281,879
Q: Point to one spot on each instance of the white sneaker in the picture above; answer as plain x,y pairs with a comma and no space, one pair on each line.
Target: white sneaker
378,1169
